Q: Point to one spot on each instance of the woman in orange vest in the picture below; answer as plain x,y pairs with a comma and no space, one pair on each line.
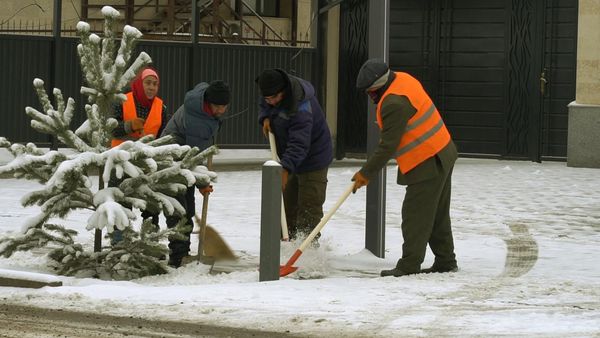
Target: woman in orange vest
412,132
143,113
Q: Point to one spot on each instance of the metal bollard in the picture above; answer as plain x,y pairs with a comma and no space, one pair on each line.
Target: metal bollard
270,218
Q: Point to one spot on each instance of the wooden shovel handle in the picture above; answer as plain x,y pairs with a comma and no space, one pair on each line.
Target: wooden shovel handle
326,218
284,227
202,225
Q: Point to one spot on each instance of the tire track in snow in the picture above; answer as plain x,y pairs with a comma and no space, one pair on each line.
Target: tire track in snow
521,256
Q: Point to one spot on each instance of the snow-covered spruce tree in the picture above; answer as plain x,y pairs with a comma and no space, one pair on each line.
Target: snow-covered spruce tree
152,171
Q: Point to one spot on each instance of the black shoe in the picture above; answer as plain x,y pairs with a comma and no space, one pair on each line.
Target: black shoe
174,262
395,272
439,269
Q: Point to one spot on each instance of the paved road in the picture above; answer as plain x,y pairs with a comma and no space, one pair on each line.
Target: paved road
30,322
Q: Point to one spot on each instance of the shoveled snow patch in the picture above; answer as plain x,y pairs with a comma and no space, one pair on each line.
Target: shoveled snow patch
29,276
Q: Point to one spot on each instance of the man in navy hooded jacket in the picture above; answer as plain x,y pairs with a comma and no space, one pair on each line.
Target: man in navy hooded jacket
290,110
196,124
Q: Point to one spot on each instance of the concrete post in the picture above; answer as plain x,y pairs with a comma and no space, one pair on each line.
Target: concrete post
270,219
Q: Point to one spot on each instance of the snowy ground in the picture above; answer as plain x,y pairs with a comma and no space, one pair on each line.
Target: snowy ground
527,241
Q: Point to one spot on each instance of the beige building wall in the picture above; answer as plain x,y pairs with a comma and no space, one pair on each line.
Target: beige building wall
19,11
588,53
27,13
583,139
281,26
304,21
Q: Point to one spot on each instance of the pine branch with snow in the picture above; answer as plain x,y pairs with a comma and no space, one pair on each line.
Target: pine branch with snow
106,73
55,121
38,236
147,174
138,254
30,162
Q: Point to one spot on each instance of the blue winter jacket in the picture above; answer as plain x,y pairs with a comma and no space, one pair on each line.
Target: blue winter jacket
301,133
191,125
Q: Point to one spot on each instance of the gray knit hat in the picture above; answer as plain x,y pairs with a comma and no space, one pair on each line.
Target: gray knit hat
373,74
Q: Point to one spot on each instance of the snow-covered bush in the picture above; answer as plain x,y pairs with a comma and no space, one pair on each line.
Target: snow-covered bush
151,172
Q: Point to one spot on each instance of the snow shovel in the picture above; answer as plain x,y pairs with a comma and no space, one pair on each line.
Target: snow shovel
286,269
284,228
211,246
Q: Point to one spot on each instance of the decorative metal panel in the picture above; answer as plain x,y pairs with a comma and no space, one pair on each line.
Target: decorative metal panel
520,56
481,61
352,112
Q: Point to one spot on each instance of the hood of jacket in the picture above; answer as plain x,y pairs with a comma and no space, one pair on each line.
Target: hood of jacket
194,101
200,127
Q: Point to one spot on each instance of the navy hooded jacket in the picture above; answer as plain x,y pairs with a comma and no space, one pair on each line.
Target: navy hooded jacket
301,133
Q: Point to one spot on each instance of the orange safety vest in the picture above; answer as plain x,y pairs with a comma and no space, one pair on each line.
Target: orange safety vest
153,120
425,134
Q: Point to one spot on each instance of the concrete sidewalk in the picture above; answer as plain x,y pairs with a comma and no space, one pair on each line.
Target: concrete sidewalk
225,160
253,159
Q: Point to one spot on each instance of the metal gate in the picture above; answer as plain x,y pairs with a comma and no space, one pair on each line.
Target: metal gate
500,71
180,64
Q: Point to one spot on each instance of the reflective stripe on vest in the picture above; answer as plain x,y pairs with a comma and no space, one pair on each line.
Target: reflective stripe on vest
153,120
425,134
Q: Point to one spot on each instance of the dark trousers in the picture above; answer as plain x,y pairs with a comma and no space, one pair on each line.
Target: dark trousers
180,248
303,198
426,220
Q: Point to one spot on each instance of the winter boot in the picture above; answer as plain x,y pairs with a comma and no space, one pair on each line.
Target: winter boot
396,272
440,269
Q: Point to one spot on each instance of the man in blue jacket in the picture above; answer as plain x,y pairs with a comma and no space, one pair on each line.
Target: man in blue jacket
290,110
196,124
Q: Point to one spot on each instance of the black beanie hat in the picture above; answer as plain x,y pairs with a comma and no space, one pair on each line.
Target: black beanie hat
271,82
371,71
217,93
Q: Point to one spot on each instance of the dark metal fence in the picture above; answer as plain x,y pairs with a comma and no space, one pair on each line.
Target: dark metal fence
180,65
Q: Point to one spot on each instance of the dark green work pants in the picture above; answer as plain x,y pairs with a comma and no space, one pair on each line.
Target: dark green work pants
303,197
426,220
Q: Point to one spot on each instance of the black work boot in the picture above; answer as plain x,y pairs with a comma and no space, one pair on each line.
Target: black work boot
396,272
440,269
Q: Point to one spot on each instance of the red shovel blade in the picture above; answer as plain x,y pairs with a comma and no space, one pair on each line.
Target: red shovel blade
285,270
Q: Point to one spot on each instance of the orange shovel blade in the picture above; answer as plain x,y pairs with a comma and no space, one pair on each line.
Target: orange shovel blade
286,269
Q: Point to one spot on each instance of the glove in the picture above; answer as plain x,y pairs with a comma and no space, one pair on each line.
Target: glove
137,124
266,128
359,181
206,190
284,178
